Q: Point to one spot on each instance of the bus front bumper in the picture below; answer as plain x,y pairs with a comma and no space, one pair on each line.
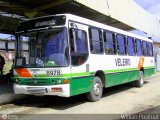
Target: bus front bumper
57,90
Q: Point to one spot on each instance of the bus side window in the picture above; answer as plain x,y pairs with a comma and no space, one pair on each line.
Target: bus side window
150,49
139,47
109,42
121,44
130,46
96,43
144,48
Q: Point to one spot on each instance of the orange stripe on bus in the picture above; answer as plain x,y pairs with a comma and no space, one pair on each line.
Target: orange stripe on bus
141,62
23,72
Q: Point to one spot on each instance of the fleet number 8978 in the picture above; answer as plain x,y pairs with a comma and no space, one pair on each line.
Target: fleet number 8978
53,72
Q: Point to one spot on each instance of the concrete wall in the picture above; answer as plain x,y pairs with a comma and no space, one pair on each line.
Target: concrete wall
128,12
11,45
156,51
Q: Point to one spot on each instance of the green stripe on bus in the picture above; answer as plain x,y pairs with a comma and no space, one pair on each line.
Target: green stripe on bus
89,73
120,70
85,83
149,67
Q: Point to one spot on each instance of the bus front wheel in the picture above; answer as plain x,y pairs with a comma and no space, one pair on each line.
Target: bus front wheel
97,89
140,82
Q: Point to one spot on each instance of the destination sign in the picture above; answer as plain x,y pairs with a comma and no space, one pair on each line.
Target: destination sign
42,23
45,23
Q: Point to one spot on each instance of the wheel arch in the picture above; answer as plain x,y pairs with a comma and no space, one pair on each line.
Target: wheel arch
142,69
101,75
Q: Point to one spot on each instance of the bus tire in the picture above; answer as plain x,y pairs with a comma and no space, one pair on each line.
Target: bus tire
140,82
97,90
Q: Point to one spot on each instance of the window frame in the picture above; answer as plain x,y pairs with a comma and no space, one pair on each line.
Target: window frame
150,49
133,43
101,42
125,44
71,44
144,49
114,42
136,39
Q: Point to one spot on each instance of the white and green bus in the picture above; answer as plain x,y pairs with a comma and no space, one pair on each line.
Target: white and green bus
70,55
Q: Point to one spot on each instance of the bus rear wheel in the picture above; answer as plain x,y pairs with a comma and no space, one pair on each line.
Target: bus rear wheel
97,90
140,82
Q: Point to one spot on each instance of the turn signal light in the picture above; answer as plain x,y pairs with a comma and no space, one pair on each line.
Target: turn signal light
65,81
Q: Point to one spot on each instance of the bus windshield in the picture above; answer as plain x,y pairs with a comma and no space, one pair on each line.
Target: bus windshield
46,48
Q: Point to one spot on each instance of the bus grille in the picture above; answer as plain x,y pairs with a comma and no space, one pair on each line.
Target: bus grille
38,82
37,90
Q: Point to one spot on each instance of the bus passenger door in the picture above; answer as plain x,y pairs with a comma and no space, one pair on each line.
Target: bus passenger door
80,82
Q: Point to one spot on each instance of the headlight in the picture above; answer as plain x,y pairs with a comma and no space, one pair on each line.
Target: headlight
17,81
57,81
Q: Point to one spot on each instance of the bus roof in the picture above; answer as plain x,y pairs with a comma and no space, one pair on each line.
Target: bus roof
86,22
103,26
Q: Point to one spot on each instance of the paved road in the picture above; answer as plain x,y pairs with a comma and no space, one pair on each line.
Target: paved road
123,99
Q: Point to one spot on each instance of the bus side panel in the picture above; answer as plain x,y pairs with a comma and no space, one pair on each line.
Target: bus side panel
113,79
149,66
133,75
149,72
80,85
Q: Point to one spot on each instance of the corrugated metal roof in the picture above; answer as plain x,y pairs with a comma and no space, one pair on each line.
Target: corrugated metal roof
123,14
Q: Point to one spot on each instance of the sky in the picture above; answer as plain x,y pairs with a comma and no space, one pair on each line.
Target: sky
5,36
152,6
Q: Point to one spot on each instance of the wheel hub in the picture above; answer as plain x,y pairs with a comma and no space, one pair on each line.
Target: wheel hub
96,89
